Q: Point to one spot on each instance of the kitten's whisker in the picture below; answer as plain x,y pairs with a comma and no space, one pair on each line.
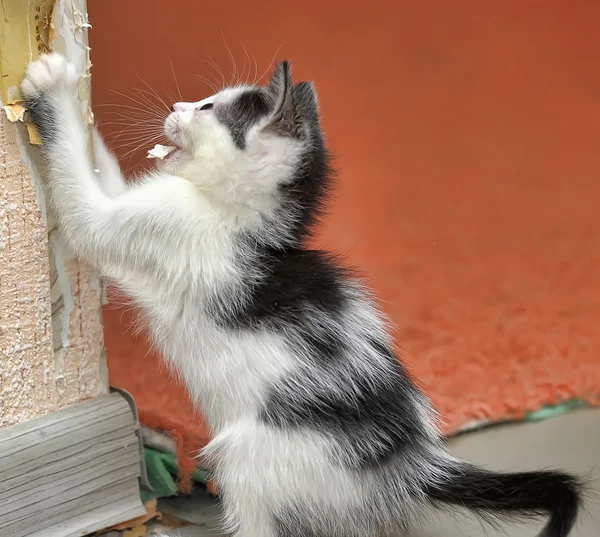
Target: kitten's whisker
136,127
124,119
139,122
131,130
153,91
128,140
213,87
254,80
131,137
251,60
234,70
170,96
270,64
176,83
154,107
151,100
147,140
117,116
148,97
118,105
217,69
246,77
133,120
146,105
128,137
143,104
215,74
131,115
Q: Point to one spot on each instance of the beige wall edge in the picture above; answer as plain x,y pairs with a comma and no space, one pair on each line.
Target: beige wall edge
51,338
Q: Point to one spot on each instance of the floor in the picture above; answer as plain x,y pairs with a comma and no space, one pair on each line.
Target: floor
570,441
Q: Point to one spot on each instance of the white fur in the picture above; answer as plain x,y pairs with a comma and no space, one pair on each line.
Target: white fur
166,240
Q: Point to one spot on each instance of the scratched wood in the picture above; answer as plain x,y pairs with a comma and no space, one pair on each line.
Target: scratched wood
71,472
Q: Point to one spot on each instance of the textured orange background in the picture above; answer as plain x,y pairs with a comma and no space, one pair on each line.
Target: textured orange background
467,134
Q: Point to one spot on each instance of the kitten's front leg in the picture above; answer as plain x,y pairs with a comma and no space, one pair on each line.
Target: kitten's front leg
50,87
139,230
110,177
82,208
50,90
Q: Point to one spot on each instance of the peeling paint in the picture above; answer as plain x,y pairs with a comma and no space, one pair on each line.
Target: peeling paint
71,24
24,33
34,135
51,339
19,44
15,111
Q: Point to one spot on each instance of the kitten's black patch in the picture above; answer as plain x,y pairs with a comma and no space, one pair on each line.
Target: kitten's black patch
306,193
290,524
43,115
303,196
312,519
296,291
244,112
369,419
291,281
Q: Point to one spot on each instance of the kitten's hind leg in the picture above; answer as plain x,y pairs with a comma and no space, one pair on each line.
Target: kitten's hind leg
246,512
276,483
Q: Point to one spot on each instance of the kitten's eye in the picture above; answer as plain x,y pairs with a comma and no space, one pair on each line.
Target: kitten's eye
206,106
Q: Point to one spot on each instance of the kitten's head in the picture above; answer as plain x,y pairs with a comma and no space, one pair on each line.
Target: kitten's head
257,149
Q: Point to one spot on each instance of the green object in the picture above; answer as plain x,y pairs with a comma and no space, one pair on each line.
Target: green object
551,411
162,472
544,413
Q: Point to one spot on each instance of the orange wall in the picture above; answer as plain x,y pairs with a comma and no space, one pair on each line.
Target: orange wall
467,133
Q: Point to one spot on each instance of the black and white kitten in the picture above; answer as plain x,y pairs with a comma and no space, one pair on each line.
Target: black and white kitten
318,431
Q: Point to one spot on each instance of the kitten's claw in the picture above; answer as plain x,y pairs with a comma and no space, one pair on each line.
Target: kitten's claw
50,73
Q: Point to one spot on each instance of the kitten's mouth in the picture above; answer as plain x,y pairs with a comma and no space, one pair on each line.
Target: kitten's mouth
174,150
163,152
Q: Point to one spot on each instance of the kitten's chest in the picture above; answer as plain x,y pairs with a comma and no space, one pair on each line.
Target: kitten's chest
227,372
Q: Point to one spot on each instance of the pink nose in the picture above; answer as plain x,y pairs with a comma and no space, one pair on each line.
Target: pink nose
178,107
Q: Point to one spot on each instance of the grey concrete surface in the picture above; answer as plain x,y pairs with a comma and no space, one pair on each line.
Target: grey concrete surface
570,441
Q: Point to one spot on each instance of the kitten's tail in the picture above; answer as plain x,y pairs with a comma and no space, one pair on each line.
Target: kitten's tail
521,494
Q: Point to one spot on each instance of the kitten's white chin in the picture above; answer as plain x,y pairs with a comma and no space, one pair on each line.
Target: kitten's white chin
174,161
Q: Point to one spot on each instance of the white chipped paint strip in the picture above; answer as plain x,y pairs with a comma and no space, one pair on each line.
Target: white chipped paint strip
61,254
70,23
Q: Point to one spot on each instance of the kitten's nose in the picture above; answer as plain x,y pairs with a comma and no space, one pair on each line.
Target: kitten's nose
177,107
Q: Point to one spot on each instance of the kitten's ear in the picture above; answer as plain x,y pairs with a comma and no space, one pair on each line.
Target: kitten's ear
281,91
306,102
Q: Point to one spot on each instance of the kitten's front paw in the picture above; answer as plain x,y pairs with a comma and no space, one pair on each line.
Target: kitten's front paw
49,74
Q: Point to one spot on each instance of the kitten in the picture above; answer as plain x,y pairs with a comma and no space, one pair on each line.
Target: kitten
317,428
